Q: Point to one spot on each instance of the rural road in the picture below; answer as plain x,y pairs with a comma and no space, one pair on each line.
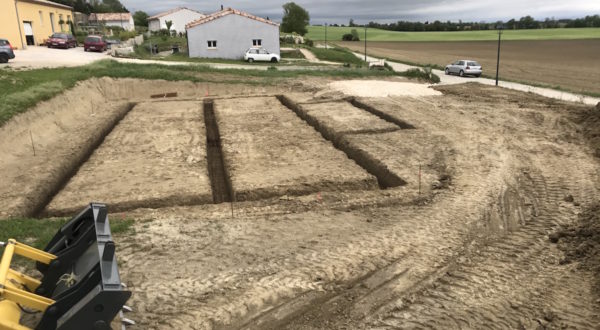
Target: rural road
451,79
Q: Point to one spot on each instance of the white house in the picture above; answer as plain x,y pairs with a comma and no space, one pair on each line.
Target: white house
179,16
229,33
124,20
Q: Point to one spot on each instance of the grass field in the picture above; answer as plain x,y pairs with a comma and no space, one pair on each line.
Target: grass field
336,33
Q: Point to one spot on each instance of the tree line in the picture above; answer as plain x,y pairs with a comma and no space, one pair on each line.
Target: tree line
526,22
95,6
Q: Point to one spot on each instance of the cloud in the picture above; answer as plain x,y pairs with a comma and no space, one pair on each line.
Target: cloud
340,11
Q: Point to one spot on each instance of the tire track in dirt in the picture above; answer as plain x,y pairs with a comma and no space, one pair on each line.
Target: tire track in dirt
547,296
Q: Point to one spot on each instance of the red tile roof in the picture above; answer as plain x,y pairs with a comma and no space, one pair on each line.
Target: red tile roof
110,17
171,12
225,12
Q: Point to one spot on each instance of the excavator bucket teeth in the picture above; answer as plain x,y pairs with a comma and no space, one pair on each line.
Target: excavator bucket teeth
80,286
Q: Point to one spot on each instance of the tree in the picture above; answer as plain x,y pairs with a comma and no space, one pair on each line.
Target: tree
140,18
295,19
169,24
351,23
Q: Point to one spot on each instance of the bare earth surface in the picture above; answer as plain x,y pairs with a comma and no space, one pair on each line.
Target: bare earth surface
155,156
542,62
269,151
501,172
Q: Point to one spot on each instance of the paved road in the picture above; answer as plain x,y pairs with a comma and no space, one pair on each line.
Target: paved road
451,79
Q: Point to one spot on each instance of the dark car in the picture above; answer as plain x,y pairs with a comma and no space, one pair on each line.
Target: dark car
6,51
61,40
94,43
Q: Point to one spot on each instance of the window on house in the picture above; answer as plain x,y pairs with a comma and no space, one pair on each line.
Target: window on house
256,42
212,44
52,21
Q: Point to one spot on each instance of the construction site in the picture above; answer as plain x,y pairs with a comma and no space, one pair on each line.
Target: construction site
320,203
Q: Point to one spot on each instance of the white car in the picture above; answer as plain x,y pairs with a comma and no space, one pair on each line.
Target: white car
260,54
464,67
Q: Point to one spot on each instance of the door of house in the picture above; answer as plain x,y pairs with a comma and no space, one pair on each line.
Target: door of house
28,29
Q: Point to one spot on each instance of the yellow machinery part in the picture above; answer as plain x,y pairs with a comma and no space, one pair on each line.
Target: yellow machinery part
15,288
10,314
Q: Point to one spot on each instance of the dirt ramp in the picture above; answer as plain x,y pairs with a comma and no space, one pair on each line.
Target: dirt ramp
155,157
269,151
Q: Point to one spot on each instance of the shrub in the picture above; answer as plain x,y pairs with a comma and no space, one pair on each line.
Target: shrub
424,74
125,35
308,42
351,36
347,37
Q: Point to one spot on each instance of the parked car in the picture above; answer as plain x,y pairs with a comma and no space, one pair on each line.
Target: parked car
61,40
260,54
464,68
94,43
6,51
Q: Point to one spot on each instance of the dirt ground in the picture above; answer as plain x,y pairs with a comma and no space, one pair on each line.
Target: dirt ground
269,151
501,171
570,64
156,154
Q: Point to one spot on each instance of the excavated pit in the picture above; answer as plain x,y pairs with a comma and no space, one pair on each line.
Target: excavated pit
385,178
155,157
268,152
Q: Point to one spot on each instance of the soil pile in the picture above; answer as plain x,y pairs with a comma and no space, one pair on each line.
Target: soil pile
590,123
581,241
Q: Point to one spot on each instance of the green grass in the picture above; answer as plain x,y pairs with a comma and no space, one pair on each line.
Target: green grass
38,232
336,33
336,54
23,89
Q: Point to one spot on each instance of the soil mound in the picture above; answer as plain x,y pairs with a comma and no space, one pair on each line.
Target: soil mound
581,242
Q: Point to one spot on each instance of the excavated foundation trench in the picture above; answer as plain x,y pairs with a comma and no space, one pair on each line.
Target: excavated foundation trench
71,168
402,124
385,178
219,180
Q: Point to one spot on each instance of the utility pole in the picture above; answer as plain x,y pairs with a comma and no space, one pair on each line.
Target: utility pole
365,42
326,35
500,27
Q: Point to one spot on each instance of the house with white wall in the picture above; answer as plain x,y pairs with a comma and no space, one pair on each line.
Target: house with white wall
179,16
229,33
124,20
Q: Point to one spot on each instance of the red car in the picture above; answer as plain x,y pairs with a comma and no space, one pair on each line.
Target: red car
61,40
94,43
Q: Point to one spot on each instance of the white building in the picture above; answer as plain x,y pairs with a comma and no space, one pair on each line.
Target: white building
124,20
229,33
179,16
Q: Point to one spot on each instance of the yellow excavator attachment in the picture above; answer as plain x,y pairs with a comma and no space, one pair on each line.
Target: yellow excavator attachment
80,286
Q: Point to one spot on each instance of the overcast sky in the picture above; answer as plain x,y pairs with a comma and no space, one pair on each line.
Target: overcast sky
340,11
